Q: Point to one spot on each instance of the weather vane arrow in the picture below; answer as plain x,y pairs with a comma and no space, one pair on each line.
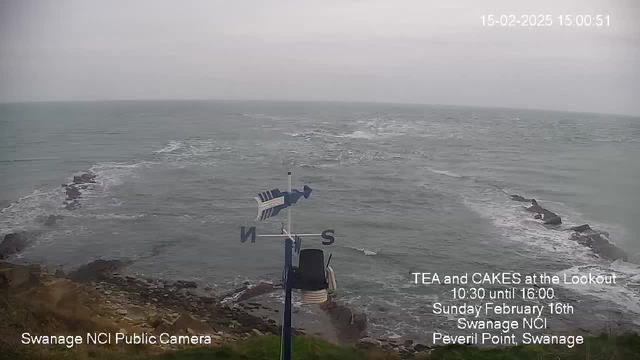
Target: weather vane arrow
271,202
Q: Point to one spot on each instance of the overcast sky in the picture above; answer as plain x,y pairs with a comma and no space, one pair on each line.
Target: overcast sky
419,51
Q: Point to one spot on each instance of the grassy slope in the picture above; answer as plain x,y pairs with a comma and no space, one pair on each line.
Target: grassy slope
59,310
310,348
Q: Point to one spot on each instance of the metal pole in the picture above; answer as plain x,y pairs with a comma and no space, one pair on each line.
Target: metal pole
289,209
285,350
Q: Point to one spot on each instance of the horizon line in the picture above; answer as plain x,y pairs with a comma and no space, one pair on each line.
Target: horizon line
315,101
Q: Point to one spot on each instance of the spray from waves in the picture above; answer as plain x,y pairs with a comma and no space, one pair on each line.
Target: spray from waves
624,293
445,173
109,174
30,211
514,223
170,147
109,216
23,213
358,135
365,251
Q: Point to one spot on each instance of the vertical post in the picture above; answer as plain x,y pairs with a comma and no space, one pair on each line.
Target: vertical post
289,209
285,349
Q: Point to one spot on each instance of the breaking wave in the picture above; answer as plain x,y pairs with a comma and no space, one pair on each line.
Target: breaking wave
358,135
170,147
365,251
23,213
445,173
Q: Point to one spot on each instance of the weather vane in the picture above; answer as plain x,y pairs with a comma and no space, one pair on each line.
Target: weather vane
312,276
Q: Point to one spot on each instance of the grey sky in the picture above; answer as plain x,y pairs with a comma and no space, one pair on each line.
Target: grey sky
420,51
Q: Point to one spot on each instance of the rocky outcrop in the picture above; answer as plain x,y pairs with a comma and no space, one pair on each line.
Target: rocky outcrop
183,284
87,178
599,244
581,228
14,243
583,234
519,198
349,325
74,189
548,217
73,192
97,270
18,276
260,289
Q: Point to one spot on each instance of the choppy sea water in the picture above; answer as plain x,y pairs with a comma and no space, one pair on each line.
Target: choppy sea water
407,188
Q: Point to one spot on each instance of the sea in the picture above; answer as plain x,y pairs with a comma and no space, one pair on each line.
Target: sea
406,188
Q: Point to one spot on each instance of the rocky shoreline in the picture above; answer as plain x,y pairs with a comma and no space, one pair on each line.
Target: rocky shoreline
144,304
129,304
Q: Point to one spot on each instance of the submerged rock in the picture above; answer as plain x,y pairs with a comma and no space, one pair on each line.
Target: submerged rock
260,289
51,220
72,205
581,228
84,178
182,284
550,218
519,198
599,245
97,270
73,192
14,243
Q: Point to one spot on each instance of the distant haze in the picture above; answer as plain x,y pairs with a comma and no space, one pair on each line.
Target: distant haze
419,51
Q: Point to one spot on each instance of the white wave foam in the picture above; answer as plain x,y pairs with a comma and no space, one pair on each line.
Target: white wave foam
358,135
622,293
107,216
110,174
367,252
170,147
21,215
515,224
445,173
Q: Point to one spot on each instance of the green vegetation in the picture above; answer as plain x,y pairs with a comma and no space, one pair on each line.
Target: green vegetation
624,347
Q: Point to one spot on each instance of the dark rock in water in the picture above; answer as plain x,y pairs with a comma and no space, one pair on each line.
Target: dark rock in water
581,228
555,220
260,289
51,220
97,270
73,192
537,216
182,284
72,205
520,198
535,209
84,178
550,218
13,243
359,320
599,245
